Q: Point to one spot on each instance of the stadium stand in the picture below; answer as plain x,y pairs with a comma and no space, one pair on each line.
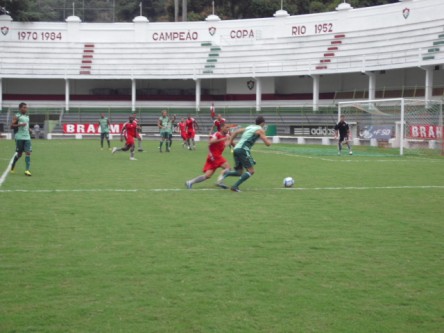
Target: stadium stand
394,50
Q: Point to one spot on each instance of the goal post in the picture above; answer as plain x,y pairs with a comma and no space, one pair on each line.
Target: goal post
411,126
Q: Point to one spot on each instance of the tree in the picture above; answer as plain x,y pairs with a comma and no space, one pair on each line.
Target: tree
163,10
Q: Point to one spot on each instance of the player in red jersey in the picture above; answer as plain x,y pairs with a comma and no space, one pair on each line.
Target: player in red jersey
129,131
212,111
191,127
182,127
215,159
139,130
218,122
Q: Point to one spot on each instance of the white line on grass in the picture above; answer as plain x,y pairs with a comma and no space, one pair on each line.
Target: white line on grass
361,188
5,174
350,188
349,159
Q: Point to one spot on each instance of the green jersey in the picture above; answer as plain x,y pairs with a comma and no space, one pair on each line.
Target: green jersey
104,126
248,138
171,127
165,123
23,131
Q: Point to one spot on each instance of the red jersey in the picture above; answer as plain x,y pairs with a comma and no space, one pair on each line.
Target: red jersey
217,149
182,127
190,125
131,129
218,123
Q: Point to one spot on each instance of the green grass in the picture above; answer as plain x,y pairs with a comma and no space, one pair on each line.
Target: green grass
357,246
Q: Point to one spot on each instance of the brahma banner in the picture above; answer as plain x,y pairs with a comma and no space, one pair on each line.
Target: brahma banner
431,132
89,128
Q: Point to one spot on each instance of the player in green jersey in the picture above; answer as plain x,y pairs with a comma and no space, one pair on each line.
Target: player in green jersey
172,126
242,153
164,124
22,138
104,130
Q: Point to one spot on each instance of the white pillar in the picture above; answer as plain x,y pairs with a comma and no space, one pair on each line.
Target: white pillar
198,91
176,10
184,11
371,85
1,94
133,95
316,84
67,94
258,94
429,83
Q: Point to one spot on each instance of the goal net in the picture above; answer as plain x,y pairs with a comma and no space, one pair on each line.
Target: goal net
409,126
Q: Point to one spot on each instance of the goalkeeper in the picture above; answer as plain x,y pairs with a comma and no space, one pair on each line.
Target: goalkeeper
343,130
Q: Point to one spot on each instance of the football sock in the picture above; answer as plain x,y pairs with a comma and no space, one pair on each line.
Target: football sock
161,144
198,179
231,174
139,144
101,143
109,144
340,147
132,152
166,145
16,158
28,161
243,178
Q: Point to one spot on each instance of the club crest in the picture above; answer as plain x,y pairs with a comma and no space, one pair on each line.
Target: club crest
212,30
250,84
4,30
406,13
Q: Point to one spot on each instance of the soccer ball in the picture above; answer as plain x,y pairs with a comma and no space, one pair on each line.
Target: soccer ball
288,182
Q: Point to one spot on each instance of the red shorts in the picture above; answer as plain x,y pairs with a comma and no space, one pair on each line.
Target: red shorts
190,135
129,140
214,163
184,135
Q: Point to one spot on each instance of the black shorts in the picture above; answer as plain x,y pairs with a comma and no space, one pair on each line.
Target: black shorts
242,159
23,146
104,135
343,138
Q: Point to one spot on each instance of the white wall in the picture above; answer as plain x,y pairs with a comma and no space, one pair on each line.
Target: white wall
240,86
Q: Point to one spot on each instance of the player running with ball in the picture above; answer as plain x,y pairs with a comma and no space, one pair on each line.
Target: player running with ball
130,130
218,142
242,153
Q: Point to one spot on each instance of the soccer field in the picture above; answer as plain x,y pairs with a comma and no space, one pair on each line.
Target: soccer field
94,242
